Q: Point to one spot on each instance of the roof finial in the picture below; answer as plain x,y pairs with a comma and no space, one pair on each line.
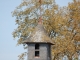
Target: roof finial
40,18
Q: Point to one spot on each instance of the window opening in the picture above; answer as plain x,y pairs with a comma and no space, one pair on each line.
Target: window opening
36,46
37,50
36,53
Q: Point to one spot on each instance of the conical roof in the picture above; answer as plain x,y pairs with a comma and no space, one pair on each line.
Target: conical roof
39,35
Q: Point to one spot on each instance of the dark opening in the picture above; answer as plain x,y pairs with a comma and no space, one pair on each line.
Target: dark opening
36,46
36,53
36,50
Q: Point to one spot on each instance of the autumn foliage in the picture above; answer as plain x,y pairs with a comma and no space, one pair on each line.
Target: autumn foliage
61,23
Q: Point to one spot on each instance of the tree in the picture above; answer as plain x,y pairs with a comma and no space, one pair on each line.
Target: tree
70,31
75,19
27,15
61,23
74,22
64,45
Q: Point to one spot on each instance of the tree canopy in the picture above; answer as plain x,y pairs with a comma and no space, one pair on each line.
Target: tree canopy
61,23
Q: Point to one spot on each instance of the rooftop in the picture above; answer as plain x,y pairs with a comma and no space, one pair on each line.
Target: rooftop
39,35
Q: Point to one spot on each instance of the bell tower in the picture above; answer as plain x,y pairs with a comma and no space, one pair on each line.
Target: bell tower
39,43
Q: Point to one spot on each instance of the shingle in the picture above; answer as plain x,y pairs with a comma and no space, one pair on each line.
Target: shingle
39,35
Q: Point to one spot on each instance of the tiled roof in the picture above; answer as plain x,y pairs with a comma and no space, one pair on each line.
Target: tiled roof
39,35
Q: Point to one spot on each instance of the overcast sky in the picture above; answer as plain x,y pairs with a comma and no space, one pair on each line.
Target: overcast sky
8,48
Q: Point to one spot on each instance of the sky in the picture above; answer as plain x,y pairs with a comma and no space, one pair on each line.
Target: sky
8,48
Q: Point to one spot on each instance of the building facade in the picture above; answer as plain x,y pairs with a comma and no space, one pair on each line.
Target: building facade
39,44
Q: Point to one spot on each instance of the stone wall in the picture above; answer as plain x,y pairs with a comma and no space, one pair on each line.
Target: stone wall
44,52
